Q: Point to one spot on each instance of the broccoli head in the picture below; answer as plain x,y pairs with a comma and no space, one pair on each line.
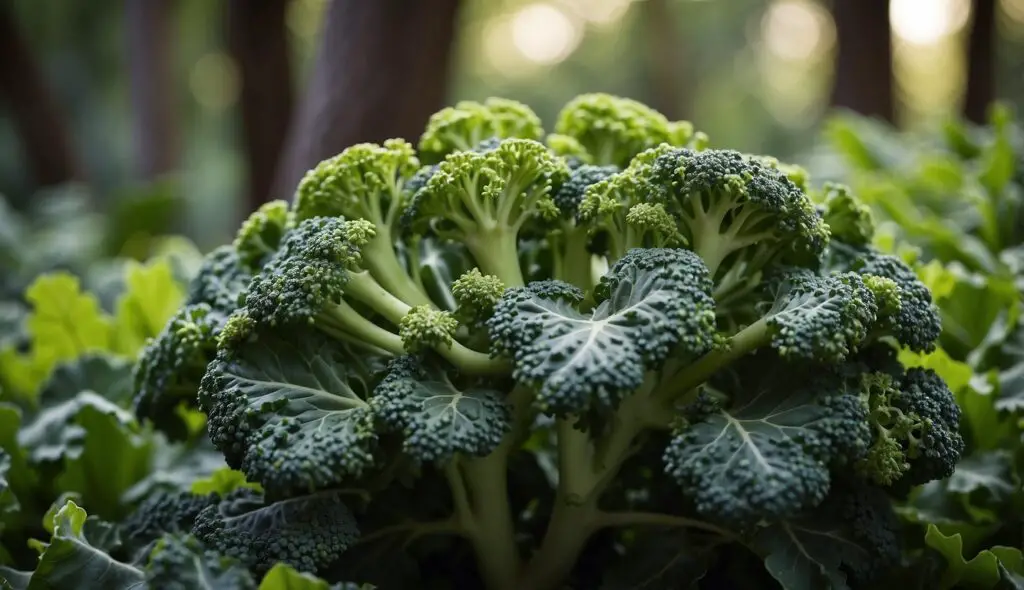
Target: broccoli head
676,335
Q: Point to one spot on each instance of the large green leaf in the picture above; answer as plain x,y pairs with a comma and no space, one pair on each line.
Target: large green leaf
660,559
979,572
71,558
435,418
152,296
106,375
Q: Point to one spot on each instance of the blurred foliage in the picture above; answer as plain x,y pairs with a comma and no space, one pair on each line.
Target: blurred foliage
952,201
755,74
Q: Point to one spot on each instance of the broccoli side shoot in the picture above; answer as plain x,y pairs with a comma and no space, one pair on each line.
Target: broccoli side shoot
261,234
368,182
483,199
612,130
469,123
733,209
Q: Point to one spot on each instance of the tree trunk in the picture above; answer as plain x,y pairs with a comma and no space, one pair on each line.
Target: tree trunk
258,41
37,118
863,81
380,72
981,83
149,25
665,59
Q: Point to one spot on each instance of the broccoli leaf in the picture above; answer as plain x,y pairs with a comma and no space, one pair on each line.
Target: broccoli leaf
651,302
290,411
307,532
981,571
71,557
152,296
845,541
767,455
437,419
106,375
182,563
668,559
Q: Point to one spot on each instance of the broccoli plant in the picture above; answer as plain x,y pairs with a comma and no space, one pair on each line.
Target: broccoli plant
559,354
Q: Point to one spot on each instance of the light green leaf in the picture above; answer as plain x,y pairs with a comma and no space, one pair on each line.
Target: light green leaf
981,571
222,482
284,577
71,558
65,323
151,297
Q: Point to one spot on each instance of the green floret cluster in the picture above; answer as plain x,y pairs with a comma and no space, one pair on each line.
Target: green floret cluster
424,331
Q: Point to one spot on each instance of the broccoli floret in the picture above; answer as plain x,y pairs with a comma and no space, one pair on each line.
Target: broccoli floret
476,295
849,220
316,278
570,194
170,367
437,419
261,234
613,130
306,532
367,182
484,199
220,281
467,124
917,324
164,512
180,562
734,207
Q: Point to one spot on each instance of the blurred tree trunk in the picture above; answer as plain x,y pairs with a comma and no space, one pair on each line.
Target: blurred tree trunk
33,109
666,59
863,81
380,72
258,41
981,83
149,25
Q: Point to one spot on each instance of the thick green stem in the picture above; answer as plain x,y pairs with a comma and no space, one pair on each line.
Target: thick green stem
343,317
363,288
569,529
473,362
746,340
574,462
497,253
493,534
380,259
575,259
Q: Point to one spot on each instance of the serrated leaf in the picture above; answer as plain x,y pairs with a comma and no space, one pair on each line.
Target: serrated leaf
436,419
992,472
981,571
106,375
284,577
183,562
70,558
222,482
65,323
76,442
151,297
1011,389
